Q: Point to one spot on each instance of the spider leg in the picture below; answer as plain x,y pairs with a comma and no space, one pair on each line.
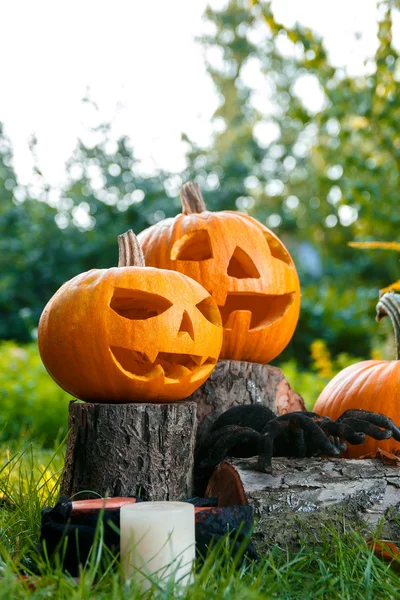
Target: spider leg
368,428
315,438
334,433
231,440
337,432
266,445
344,431
293,434
247,415
370,423
338,442
291,441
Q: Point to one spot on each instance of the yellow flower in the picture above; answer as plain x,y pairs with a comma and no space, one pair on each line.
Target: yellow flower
322,361
376,354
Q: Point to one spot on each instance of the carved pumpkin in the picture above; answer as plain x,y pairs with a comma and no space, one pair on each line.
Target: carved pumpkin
371,385
130,334
244,266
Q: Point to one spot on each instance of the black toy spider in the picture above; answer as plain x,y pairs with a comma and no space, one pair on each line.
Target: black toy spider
253,429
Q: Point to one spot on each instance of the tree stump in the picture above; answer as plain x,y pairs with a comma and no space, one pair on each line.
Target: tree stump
235,383
301,495
144,450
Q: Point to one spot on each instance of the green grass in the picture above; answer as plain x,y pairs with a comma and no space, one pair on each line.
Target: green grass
29,479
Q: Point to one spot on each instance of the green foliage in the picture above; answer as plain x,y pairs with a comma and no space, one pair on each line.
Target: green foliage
306,383
31,402
344,318
310,383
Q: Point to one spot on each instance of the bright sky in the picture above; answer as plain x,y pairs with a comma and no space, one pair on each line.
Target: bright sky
144,69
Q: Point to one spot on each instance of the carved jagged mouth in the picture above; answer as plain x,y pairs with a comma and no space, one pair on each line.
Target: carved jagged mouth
167,364
260,310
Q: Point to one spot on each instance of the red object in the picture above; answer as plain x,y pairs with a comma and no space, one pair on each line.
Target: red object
91,506
386,551
81,507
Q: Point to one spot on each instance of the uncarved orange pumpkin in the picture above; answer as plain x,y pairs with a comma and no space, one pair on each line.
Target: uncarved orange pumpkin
242,264
371,385
131,333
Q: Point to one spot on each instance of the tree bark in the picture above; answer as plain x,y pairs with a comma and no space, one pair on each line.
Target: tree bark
144,450
301,495
235,383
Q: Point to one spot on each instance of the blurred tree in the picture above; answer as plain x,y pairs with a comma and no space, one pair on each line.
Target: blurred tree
26,228
311,152
107,195
301,145
46,240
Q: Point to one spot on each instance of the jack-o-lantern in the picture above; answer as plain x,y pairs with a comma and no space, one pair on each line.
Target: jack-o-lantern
244,266
130,333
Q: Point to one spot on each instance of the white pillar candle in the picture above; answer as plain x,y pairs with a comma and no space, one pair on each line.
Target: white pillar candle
157,540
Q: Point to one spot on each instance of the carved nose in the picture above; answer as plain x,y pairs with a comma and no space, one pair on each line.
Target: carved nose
186,325
241,265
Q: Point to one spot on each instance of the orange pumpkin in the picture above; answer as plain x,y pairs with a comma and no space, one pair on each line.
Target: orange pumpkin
130,334
371,385
244,266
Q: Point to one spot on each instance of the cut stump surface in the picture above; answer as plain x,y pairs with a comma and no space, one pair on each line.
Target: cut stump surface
303,494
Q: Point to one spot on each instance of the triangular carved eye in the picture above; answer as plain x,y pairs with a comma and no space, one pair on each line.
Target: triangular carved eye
186,325
210,311
277,250
241,266
137,304
195,245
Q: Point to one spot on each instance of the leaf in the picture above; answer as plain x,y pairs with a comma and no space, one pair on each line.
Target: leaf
386,551
393,287
376,245
389,458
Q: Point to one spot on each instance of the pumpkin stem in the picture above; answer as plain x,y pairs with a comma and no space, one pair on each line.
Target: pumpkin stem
192,200
130,252
389,306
